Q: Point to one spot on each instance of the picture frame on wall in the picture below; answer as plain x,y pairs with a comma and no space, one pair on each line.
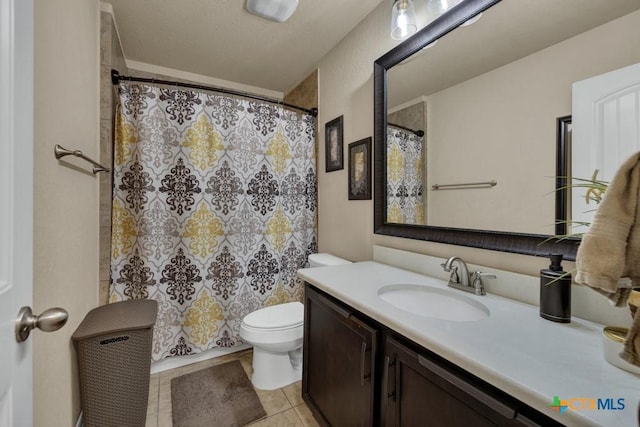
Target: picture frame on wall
360,169
334,151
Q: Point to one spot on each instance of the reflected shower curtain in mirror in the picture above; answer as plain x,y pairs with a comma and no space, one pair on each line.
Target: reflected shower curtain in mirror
404,177
214,210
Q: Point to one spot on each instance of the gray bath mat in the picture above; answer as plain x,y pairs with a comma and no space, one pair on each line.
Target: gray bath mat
220,396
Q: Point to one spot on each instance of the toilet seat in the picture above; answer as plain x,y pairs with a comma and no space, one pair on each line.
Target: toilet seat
276,317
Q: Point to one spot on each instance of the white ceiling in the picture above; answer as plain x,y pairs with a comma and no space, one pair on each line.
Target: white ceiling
220,39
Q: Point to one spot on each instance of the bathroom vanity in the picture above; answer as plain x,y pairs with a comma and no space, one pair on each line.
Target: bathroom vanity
382,378
371,360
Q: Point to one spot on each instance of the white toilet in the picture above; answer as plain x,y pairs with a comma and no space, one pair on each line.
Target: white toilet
276,335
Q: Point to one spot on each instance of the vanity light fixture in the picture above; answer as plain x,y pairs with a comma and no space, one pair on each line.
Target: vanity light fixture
403,19
435,8
472,20
273,10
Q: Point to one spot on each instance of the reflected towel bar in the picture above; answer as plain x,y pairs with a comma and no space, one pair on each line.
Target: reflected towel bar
61,152
491,183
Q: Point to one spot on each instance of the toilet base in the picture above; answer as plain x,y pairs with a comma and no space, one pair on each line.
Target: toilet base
275,370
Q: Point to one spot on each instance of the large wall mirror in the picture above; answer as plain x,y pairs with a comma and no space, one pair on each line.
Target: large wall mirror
471,120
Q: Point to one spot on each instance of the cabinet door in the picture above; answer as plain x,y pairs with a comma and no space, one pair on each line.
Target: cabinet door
418,391
339,362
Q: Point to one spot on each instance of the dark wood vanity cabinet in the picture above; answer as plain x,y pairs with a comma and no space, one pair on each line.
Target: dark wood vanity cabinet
358,372
418,390
339,363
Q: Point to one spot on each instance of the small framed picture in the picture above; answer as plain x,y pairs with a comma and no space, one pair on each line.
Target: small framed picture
334,151
360,170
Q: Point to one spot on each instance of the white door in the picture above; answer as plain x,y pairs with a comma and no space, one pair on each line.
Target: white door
606,130
16,194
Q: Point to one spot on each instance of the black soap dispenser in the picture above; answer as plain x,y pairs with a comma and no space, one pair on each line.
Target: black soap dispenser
555,292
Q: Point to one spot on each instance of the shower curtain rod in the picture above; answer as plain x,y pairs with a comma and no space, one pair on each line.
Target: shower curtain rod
420,133
116,77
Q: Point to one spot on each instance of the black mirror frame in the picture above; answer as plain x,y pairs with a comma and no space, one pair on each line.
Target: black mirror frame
520,243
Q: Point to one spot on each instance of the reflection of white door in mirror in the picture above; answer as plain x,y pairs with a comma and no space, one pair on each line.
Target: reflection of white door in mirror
606,131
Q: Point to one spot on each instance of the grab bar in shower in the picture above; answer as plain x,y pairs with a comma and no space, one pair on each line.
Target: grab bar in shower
491,183
61,152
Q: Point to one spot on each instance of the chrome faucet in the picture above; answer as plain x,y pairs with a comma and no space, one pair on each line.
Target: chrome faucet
463,280
455,278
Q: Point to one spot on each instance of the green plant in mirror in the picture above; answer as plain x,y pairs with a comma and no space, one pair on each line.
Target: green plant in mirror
595,190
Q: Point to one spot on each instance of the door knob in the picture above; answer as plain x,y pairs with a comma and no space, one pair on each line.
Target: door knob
50,320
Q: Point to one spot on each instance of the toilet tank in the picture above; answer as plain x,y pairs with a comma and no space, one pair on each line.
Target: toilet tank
321,260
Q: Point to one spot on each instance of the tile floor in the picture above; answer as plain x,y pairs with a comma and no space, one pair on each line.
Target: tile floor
284,407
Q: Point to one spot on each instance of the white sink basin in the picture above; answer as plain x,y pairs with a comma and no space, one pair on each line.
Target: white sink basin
432,302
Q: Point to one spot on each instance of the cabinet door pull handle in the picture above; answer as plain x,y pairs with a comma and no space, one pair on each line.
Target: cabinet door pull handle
341,311
470,389
385,386
524,421
385,379
363,351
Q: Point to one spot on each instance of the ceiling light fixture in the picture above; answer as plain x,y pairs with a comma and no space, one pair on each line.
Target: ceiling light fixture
472,20
273,10
436,8
403,19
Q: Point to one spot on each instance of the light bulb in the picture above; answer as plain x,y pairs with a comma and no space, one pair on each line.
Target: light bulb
442,5
403,20
402,23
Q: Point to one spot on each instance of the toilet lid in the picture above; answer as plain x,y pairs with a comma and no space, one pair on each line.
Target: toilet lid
279,316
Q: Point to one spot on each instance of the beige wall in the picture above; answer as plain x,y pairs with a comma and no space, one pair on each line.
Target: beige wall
345,228
346,87
66,56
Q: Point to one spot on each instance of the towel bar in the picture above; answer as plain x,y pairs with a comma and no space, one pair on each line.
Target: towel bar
61,152
491,183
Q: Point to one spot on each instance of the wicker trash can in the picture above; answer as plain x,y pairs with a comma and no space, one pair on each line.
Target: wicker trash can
113,343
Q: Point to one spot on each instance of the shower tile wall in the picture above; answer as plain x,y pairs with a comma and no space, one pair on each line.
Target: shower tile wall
148,75
111,57
306,93
412,117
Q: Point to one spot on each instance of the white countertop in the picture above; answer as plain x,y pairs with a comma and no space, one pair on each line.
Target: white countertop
514,349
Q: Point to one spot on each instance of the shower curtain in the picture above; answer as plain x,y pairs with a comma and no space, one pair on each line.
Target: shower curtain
214,210
405,203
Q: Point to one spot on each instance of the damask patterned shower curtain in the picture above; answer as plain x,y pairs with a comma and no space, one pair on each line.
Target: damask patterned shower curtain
214,204
405,177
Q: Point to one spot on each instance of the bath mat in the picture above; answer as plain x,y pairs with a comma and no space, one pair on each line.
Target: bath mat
220,396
